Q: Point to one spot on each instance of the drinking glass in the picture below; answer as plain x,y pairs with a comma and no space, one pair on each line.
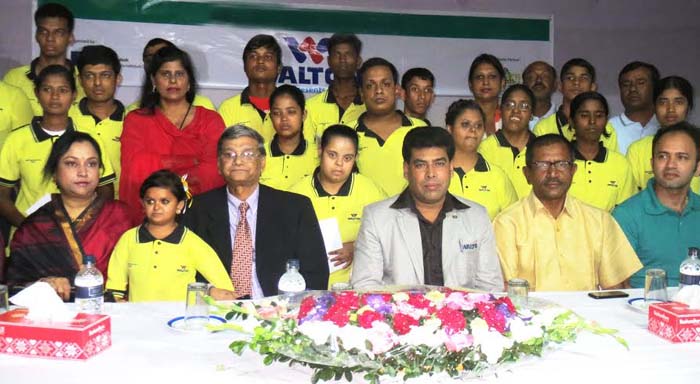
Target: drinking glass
655,286
196,309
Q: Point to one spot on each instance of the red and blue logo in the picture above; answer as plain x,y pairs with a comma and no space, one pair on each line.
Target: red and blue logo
312,55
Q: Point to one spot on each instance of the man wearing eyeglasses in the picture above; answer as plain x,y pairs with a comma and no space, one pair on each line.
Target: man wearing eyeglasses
99,112
553,240
253,228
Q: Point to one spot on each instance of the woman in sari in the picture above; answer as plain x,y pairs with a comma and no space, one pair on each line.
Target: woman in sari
169,132
51,243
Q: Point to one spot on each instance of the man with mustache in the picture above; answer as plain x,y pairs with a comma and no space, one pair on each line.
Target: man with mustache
636,81
541,78
553,240
661,222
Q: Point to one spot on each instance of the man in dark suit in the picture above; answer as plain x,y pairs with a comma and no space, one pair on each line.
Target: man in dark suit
276,226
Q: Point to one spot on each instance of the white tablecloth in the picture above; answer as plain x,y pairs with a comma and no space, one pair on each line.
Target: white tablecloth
145,350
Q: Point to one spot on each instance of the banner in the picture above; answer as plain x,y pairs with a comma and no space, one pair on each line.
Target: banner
215,32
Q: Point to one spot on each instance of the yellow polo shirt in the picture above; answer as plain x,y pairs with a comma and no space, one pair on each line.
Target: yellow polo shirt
557,123
108,130
23,78
639,156
282,170
323,111
582,249
381,160
485,184
239,110
24,156
603,182
150,269
199,101
15,110
346,206
498,151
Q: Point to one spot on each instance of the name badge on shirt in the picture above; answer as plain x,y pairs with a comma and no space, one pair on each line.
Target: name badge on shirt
467,246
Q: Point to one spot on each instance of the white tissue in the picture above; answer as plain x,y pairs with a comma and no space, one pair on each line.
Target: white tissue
43,303
689,295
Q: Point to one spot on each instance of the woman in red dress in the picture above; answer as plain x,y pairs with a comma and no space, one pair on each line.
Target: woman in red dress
169,132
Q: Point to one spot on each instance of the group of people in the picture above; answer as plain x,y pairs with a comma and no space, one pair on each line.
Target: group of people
168,190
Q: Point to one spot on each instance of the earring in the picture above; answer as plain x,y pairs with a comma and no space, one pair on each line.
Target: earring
154,89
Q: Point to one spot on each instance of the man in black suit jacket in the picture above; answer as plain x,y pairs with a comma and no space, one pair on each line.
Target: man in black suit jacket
283,224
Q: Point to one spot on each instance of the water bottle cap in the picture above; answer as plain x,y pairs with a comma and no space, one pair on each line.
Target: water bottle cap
88,259
693,251
293,263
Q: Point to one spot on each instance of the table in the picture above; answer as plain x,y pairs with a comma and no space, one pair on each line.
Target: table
145,350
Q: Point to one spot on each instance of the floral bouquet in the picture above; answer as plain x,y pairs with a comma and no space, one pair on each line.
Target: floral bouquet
407,333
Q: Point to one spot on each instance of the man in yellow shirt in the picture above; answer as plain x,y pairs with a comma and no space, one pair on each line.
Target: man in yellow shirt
54,34
262,63
382,128
341,102
15,110
417,93
554,241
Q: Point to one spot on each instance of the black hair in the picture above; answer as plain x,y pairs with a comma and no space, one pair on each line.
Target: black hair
55,10
164,179
149,95
458,107
378,62
339,130
291,91
581,98
684,127
578,62
486,58
675,82
263,41
653,71
545,141
99,54
157,41
427,137
422,73
62,145
55,70
550,67
345,38
519,87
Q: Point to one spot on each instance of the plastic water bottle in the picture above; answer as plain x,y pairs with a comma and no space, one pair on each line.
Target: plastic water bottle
88,287
292,284
690,269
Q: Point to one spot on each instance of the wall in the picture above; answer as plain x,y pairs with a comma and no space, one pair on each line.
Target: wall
608,33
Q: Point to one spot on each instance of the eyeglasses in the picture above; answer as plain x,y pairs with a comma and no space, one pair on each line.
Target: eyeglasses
245,156
523,106
561,165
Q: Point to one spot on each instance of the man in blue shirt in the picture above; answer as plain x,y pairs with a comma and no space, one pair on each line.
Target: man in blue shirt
662,221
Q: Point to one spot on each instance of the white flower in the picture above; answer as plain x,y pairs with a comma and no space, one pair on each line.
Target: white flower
522,332
492,344
353,337
547,316
382,337
318,331
426,334
400,296
479,324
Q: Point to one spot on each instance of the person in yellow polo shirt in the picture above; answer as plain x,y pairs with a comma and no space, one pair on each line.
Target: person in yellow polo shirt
340,103
382,128
15,110
291,156
54,34
552,239
156,260
506,148
337,191
604,177
577,76
262,63
473,177
27,148
99,112
417,92
153,46
673,100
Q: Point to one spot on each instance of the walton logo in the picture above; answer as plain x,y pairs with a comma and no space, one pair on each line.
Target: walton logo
314,73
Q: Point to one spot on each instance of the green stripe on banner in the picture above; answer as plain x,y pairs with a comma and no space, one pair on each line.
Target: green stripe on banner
312,20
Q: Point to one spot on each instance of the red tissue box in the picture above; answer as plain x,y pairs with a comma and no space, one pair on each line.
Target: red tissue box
79,339
675,322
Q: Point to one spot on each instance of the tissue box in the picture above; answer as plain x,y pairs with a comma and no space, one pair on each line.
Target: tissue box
83,337
675,322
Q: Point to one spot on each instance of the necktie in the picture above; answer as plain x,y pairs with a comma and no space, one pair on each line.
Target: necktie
242,263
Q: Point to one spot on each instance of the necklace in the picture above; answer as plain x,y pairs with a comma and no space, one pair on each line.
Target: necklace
185,117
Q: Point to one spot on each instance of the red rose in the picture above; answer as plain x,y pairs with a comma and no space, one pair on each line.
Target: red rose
306,306
347,299
338,314
493,317
403,323
453,320
419,301
366,318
